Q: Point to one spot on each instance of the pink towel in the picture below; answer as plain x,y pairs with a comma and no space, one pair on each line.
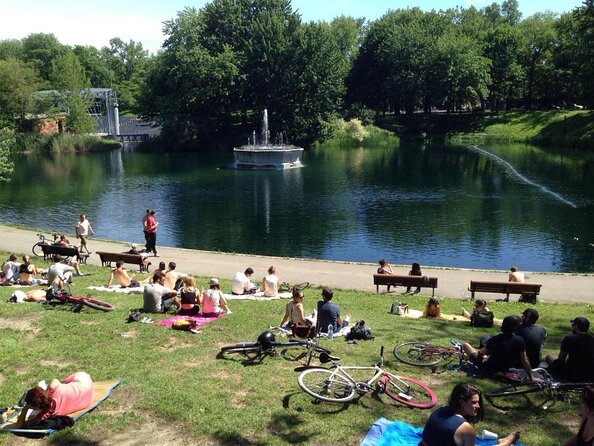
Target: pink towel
200,320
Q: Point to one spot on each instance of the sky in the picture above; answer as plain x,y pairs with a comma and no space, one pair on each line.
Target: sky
85,22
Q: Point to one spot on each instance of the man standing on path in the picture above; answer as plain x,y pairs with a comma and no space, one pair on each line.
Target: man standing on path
81,229
151,228
533,335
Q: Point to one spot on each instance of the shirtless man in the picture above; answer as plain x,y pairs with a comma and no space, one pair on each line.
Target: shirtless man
120,274
515,275
172,276
64,242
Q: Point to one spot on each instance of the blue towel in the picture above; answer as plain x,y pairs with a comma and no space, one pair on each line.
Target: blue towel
398,433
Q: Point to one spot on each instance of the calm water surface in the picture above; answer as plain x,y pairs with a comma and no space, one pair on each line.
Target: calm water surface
486,207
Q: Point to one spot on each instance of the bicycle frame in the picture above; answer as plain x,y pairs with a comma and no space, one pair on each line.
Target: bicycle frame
366,386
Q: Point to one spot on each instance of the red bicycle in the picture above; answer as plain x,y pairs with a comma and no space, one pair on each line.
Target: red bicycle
65,297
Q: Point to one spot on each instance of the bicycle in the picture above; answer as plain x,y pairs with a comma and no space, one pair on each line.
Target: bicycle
548,391
266,345
65,297
335,385
423,354
36,248
285,287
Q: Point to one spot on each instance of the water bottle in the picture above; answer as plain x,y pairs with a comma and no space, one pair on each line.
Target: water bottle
330,331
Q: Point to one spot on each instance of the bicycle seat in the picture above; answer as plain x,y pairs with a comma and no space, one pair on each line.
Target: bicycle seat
326,358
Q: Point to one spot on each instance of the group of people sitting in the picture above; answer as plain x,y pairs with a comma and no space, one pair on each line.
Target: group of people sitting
242,283
14,272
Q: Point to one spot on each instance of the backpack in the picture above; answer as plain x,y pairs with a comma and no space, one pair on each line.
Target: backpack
484,319
359,331
527,298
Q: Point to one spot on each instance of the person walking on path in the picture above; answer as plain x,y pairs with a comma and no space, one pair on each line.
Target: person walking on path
151,229
81,230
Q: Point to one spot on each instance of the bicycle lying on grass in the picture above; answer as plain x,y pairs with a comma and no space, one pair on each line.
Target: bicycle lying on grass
287,287
266,345
335,385
423,354
543,393
65,297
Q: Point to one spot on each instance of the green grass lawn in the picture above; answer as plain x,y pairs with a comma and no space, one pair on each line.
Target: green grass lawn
174,379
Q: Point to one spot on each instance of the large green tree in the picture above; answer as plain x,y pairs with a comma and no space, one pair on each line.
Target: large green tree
584,16
69,78
18,83
7,141
40,50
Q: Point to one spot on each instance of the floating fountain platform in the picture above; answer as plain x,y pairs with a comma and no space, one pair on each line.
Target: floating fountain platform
264,155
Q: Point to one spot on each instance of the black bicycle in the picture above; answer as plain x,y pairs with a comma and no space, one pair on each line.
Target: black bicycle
36,249
266,345
287,287
543,393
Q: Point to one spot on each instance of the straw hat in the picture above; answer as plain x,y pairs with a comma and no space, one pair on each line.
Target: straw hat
214,281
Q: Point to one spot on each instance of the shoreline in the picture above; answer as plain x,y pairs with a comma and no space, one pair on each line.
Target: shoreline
453,282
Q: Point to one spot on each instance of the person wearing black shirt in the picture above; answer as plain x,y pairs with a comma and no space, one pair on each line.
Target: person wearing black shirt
576,355
533,335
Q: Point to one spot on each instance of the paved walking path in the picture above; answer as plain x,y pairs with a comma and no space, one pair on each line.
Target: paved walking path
556,287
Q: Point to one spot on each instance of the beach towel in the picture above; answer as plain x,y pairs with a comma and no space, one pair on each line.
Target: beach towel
417,314
398,433
200,320
257,296
118,289
101,391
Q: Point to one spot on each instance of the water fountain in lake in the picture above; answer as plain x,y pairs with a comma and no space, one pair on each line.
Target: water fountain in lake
264,155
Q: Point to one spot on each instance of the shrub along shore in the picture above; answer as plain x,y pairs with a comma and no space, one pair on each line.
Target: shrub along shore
175,384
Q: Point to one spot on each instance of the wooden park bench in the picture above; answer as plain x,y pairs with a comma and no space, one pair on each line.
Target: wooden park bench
50,250
507,288
408,281
107,258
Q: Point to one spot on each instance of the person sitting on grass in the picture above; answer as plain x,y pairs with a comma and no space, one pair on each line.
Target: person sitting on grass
481,315
60,273
74,394
270,283
329,313
585,435
10,268
502,352
173,279
213,301
27,272
120,274
295,314
242,283
190,298
452,425
158,298
432,309
575,361
534,336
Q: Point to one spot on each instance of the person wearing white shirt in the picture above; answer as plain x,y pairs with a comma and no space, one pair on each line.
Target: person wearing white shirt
242,282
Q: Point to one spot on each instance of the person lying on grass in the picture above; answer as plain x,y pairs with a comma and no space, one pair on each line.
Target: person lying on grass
74,394
452,425
120,274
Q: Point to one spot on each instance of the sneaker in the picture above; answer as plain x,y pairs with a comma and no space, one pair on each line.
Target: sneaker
156,255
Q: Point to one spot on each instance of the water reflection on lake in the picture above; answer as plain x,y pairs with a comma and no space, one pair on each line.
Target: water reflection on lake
439,205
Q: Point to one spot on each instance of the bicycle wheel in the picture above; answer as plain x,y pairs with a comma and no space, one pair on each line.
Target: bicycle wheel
302,286
409,391
251,350
516,396
97,304
327,385
37,251
420,354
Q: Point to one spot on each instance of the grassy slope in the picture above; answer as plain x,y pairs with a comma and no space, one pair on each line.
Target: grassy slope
175,375
561,128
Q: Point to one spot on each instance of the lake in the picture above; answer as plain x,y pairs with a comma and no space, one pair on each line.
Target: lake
491,206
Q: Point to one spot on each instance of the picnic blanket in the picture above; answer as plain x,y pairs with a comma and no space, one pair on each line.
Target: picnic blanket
257,296
118,289
384,432
200,320
102,391
417,314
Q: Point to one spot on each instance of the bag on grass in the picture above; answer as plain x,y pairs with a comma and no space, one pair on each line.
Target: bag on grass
183,324
527,298
483,319
359,331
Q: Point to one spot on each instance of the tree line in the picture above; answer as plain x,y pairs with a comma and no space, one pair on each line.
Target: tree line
222,64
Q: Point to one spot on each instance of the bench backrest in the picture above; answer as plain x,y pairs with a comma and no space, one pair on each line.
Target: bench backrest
124,257
395,279
505,287
60,250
